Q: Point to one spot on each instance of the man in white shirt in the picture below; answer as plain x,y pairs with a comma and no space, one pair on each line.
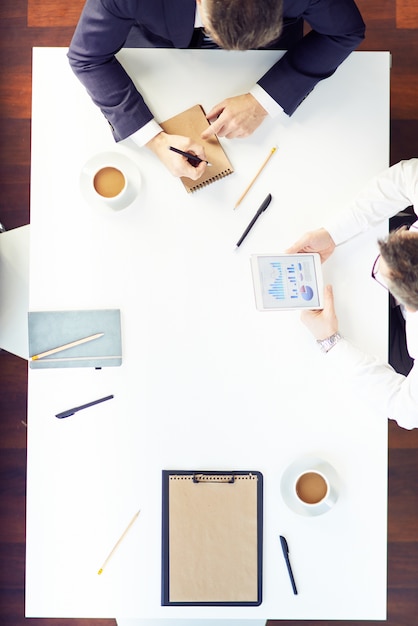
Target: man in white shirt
396,269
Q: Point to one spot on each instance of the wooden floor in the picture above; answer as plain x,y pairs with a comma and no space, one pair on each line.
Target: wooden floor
392,25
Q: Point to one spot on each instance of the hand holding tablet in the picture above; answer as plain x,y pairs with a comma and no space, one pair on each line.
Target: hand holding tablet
286,282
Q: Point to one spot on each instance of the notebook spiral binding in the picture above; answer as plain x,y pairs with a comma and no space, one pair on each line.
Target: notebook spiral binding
214,478
210,180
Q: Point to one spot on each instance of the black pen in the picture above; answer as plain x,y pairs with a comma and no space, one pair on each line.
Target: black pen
83,406
261,210
285,549
192,158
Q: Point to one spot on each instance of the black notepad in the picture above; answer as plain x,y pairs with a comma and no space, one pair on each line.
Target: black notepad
212,538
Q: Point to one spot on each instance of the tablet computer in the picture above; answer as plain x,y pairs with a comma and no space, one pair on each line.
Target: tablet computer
284,282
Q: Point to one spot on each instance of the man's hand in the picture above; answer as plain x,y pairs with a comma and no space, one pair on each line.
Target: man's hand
324,323
314,241
235,117
176,163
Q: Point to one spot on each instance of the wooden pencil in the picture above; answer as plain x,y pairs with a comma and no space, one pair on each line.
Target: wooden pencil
246,190
72,344
119,541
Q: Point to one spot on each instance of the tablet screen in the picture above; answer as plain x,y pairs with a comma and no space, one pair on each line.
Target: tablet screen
286,281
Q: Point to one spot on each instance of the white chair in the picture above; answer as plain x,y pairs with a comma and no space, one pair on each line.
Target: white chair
14,291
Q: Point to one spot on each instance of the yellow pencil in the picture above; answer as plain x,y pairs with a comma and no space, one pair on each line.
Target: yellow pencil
272,151
119,541
66,346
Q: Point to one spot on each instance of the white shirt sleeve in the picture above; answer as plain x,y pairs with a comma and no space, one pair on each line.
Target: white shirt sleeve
272,107
384,390
387,194
143,135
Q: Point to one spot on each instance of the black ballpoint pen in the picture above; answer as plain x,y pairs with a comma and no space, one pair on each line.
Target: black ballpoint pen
261,210
83,406
192,158
285,549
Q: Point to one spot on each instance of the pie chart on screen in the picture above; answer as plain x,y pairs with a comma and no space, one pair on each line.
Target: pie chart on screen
306,292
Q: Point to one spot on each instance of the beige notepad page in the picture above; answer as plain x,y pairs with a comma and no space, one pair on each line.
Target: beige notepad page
213,551
192,123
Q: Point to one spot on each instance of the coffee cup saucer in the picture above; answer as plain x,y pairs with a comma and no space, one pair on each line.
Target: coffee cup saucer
111,159
290,476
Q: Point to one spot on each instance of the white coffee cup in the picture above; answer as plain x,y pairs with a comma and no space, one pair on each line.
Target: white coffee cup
310,486
313,489
110,185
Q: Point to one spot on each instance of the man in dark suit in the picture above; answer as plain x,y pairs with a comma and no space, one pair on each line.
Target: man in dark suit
106,26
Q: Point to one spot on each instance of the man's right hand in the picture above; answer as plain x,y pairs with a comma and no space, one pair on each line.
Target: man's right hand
314,241
322,323
177,164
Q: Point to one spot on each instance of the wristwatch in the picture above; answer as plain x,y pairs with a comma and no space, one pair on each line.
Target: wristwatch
325,345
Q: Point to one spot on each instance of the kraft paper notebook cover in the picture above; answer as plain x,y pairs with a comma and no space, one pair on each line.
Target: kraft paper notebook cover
192,123
212,538
51,329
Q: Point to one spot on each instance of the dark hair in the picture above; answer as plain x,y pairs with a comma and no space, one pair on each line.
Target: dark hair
244,24
400,252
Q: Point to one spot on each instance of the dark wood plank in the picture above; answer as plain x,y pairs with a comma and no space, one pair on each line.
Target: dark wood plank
377,14
15,148
403,557
402,607
14,171
400,437
404,138
403,97
403,497
406,14
12,9
13,377
50,13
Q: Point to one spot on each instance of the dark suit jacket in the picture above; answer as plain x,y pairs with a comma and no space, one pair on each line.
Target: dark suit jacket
105,25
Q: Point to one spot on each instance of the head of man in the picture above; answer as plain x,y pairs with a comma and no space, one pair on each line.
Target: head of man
242,24
398,266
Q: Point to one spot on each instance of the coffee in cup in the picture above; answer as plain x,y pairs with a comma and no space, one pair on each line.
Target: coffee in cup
311,487
109,182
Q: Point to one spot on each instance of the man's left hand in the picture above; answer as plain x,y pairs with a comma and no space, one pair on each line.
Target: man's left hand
235,117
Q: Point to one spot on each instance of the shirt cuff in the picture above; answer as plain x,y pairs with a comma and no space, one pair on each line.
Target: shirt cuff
272,107
143,135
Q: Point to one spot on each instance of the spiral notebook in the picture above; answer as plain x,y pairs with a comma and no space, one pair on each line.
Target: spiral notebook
192,123
212,538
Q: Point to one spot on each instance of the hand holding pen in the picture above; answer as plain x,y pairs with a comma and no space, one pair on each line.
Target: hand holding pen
178,164
192,158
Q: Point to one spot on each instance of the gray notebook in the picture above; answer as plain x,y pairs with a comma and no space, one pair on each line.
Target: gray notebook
53,329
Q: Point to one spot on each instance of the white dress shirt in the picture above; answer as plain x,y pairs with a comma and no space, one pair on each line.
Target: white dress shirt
387,391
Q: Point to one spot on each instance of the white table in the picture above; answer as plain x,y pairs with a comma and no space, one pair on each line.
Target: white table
207,381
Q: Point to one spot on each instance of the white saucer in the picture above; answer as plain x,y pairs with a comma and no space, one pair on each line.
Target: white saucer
289,478
119,161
